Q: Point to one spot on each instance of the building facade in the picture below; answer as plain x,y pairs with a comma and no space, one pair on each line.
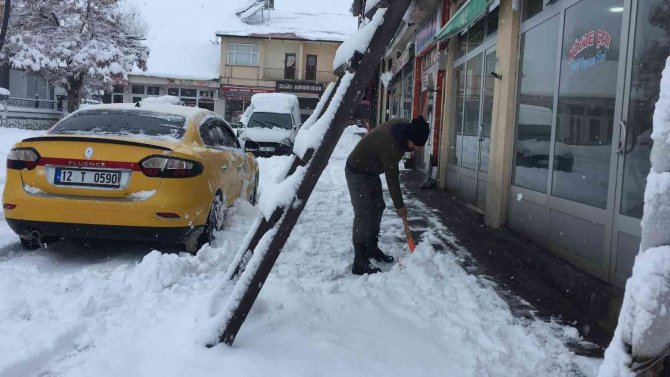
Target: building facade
545,115
196,93
266,63
548,120
33,102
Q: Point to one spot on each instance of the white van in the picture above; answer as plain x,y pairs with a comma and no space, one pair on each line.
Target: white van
272,120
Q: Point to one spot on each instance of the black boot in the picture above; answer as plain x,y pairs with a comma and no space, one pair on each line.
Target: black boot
362,264
378,255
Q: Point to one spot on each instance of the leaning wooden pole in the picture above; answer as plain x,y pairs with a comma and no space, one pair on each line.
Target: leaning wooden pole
363,67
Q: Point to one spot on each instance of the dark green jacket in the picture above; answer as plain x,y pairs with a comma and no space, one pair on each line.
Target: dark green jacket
377,153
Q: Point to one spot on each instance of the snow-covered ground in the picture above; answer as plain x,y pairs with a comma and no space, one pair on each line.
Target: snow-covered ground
123,310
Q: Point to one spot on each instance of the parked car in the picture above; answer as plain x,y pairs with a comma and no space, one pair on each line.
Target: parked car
272,120
152,173
533,145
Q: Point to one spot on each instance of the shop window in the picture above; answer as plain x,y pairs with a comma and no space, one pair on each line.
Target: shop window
137,89
589,66
118,89
173,92
310,69
492,21
462,45
533,7
456,131
535,112
137,99
206,94
153,90
117,98
189,92
650,51
242,54
476,35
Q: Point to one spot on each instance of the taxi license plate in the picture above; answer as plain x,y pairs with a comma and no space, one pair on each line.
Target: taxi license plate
87,178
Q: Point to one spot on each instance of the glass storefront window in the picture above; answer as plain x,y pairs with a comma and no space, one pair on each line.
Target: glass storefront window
153,90
536,105
462,47
487,111
492,21
173,92
587,93
650,50
476,35
189,92
473,90
533,7
456,130
137,89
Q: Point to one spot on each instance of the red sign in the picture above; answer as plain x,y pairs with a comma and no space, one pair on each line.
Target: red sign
599,38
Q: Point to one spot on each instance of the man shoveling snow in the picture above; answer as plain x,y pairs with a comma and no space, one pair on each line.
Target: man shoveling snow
378,152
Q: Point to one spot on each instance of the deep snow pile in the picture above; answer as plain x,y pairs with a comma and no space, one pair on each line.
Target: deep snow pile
115,310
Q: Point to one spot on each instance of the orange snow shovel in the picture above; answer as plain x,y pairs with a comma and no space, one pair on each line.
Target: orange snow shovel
408,234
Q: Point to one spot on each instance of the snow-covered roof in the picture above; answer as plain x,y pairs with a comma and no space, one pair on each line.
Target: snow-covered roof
181,37
295,19
275,102
183,60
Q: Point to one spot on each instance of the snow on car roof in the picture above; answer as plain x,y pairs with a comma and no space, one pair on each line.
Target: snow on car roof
274,102
164,108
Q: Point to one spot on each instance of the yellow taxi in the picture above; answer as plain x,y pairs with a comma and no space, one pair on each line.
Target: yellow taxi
156,172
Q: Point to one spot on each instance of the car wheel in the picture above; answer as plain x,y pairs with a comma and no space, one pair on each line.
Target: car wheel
217,214
254,196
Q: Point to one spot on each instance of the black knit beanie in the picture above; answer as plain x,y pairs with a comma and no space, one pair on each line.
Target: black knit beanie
418,131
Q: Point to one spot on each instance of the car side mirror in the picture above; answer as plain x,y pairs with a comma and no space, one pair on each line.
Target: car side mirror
251,146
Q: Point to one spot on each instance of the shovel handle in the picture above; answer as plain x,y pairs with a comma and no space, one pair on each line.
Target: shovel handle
408,234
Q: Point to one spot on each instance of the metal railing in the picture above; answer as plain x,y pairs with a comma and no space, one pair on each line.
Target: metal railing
284,74
32,103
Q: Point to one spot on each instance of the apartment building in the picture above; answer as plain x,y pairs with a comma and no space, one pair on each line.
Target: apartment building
273,62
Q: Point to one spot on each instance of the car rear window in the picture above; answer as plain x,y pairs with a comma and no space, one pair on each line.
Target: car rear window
141,124
270,120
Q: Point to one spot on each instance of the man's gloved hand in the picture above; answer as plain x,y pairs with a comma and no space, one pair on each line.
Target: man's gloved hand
402,212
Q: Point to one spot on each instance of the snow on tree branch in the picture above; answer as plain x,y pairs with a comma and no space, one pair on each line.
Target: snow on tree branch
76,44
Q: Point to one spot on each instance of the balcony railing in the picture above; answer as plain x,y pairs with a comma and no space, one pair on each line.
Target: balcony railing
32,103
284,74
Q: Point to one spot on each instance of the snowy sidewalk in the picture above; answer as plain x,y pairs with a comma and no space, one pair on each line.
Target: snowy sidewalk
123,312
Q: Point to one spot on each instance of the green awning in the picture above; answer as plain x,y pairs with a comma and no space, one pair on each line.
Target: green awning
466,15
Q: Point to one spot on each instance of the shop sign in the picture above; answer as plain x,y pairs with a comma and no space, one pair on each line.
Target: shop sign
188,82
243,91
299,87
427,31
597,42
400,63
428,77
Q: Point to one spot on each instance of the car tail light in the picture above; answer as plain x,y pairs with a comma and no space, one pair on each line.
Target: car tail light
170,167
9,206
22,158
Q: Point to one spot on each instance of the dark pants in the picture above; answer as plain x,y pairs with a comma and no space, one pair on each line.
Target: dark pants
366,197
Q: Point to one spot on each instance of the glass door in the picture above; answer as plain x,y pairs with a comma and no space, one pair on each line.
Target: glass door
484,133
649,47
